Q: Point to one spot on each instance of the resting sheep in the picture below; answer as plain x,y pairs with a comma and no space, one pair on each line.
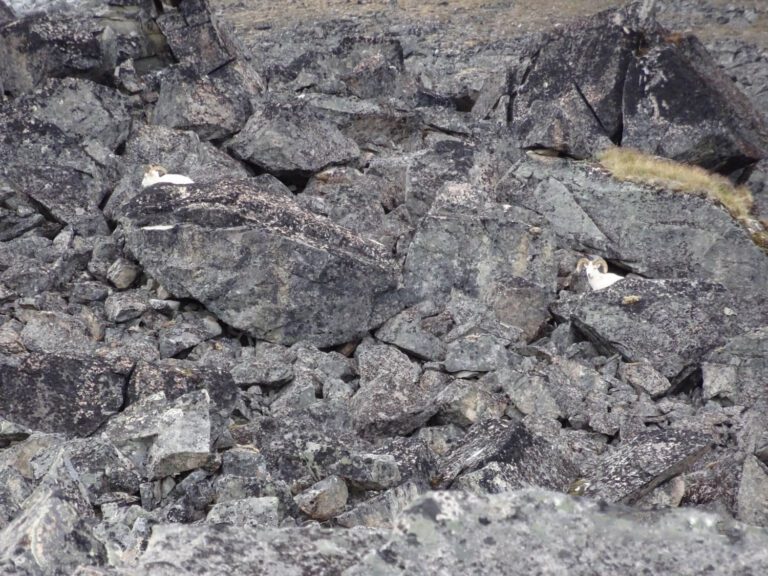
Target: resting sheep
597,273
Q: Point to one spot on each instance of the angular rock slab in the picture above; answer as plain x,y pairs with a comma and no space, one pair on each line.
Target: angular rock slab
259,262
671,323
456,533
493,255
241,550
653,232
714,126
291,141
530,459
54,393
643,463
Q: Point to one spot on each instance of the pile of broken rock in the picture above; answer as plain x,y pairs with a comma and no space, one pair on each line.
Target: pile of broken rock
356,343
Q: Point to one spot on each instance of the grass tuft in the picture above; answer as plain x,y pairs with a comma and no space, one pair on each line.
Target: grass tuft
635,166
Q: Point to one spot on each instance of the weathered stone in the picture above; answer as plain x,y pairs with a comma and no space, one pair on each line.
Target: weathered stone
251,512
492,256
124,306
291,141
753,492
308,279
212,106
178,377
122,273
180,152
324,500
647,460
186,331
716,126
383,510
532,459
475,353
57,393
465,402
268,550
368,471
56,333
638,227
394,396
405,331
439,530
672,325
265,364
643,375
162,437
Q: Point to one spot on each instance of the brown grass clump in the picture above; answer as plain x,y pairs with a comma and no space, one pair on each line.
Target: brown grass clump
635,166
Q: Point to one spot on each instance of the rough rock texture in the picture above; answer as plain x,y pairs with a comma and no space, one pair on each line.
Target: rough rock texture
370,289
291,274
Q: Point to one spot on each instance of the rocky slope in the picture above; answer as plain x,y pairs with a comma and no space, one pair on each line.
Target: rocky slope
358,342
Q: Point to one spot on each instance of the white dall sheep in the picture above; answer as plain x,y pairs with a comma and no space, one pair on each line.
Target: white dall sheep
156,174
597,273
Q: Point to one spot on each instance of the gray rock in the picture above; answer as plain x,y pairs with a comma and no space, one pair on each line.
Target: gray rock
324,500
122,273
672,325
492,255
643,375
438,532
59,393
56,333
753,492
637,227
124,306
180,152
178,377
265,364
465,402
394,396
368,471
162,437
251,512
383,510
644,462
731,133
66,543
405,330
294,276
213,106
268,550
186,331
475,353
291,141
532,459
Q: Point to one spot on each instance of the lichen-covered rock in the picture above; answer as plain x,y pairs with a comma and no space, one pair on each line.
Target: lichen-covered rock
275,270
644,462
492,255
290,141
673,324
164,437
179,151
325,499
531,458
59,393
252,512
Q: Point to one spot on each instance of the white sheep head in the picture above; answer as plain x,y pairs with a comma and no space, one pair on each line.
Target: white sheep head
597,273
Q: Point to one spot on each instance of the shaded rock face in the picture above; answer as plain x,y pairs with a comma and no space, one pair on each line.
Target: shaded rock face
308,278
367,289
619,78
668,235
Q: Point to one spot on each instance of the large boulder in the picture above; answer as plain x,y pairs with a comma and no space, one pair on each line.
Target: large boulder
56,393
671,323
261,263
653,232
619,77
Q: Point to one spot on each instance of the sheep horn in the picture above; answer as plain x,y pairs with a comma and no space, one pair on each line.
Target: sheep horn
601,264
581,263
